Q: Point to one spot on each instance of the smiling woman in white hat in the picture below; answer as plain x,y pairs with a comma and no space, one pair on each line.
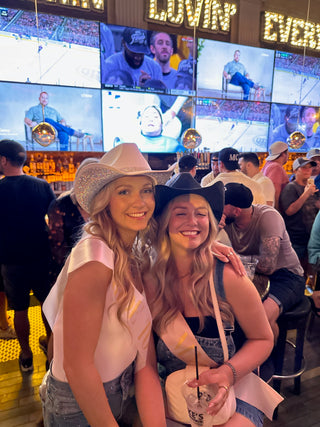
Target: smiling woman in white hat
97,310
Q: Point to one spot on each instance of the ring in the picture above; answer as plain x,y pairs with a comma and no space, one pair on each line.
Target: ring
230,254
226,387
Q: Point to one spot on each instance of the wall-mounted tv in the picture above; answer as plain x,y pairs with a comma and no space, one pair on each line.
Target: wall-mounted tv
62,51
227,123
78,109
232,71
155,122
286,119
141,60
296,79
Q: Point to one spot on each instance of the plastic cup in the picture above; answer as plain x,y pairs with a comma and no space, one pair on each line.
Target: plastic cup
249,262
197,406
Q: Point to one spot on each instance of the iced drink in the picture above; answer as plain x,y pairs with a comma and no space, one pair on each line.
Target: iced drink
197,407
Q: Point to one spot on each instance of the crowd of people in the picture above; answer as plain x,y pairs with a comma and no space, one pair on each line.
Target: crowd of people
131,274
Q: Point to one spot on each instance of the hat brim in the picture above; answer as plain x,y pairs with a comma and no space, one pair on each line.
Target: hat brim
214,194
94,177
310,162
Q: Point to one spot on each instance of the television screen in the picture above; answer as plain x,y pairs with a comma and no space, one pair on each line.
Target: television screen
232,71
133,58
78,110
286,119
62,51
296,80
226,123
155,122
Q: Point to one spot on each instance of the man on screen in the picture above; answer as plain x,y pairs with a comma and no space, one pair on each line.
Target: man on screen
133,59
42,112
291,122
161,47
237,75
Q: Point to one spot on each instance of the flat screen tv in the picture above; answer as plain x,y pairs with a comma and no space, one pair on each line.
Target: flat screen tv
242,125
61,51
296,79
155,122
141,60
287,118
232,71
80,108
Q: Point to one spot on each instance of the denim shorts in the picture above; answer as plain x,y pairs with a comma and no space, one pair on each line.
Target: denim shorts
287,287
60,407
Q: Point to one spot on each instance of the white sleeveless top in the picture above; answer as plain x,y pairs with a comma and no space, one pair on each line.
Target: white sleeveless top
117,346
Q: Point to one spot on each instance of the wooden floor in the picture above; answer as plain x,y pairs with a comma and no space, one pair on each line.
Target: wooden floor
20,403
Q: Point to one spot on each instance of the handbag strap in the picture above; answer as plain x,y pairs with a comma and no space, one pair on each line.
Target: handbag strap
219,320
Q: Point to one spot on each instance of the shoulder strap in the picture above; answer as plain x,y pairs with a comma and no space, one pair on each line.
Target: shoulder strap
219,320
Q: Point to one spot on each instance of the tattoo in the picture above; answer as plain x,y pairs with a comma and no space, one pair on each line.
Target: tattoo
269,251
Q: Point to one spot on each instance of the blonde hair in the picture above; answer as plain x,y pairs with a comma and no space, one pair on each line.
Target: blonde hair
125,259
166,302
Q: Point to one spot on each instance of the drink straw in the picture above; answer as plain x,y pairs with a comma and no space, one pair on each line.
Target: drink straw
197,369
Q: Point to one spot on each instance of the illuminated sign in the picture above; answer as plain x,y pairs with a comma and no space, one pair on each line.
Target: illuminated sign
209,15
84,4
292,31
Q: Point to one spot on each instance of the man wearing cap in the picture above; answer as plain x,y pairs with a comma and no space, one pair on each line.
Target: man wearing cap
133,59
260,231
273,168
291,121
229,172
207,179
299,204
314,155
24,244
249,165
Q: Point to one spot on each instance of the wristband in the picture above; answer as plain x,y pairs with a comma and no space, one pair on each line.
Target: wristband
234,372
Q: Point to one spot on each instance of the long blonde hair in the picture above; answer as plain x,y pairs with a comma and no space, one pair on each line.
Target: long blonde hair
166,302
125,259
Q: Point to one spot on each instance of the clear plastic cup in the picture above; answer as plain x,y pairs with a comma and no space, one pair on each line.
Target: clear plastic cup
249,262
197,406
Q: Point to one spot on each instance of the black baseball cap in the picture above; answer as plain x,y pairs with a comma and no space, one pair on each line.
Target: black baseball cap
230,158
136,40
238,195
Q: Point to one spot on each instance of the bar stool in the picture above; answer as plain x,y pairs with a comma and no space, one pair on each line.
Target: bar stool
295,319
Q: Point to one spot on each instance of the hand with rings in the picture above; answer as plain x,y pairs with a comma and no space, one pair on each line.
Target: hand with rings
226,254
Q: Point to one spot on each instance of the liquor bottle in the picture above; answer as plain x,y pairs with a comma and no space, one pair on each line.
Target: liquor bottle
32,165
39,164
59,165
52,165
45,165
71,165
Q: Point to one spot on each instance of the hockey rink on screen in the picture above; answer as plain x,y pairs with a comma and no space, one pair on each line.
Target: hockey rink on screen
61,63
242,135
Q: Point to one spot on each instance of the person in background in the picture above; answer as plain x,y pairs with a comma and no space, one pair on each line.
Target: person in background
299,204
42,112
290,125
65,221
7,331
133,58
237,75
207,179
187,216
161,47
308,116
260,231
187,163
24,243
314,261
249,165
229,172
97,309
314,155
273,168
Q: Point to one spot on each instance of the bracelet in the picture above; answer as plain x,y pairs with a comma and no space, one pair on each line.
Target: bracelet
234,372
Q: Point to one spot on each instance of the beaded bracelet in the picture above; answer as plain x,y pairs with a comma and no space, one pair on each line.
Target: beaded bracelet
234,372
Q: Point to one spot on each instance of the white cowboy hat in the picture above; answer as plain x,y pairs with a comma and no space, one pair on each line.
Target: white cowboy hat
123,160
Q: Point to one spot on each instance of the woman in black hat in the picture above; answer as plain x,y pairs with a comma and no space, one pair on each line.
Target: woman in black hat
181,299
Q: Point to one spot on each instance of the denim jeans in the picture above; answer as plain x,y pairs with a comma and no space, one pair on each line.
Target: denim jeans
240,80
60,407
